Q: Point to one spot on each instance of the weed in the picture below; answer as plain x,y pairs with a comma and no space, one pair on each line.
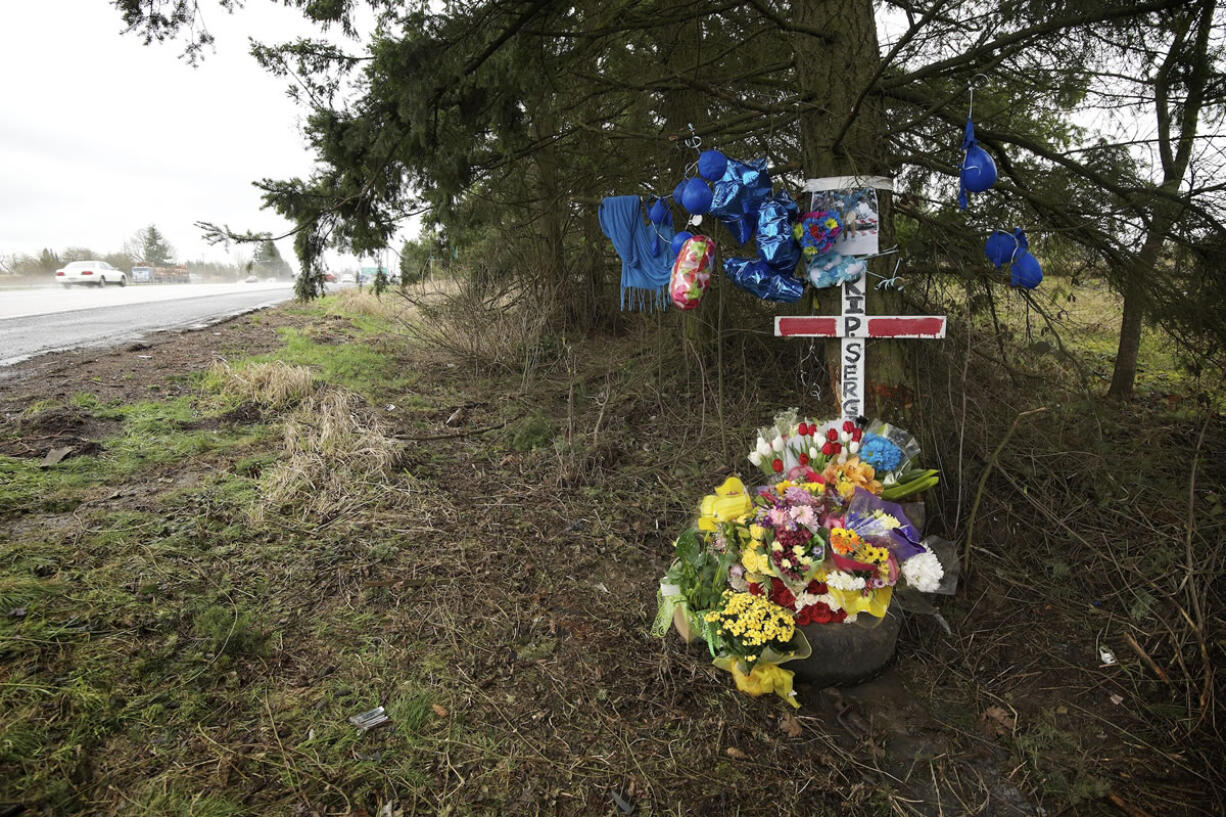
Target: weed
535,431
231,630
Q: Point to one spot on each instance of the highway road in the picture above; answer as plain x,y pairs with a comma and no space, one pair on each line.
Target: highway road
33,322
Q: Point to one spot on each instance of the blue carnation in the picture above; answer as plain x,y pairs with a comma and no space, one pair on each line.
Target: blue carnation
880,453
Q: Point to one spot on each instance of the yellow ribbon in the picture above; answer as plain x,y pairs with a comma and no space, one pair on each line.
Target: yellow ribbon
853,601
729,503
763,679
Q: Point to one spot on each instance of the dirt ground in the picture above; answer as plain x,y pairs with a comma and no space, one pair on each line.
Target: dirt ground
569,706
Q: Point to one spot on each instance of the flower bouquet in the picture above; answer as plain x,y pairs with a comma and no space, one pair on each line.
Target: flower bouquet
827,540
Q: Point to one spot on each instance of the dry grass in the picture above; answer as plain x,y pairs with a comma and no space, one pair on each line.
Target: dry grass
337,458
274,383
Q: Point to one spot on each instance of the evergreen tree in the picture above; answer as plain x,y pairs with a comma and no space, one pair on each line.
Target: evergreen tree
508,120
154,250
268,261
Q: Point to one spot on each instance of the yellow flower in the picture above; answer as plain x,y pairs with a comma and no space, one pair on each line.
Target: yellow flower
729,503
848,476
755,562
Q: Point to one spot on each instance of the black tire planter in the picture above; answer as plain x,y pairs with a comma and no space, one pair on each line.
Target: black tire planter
847,654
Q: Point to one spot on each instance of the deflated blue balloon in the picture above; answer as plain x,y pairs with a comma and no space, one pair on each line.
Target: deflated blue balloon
679,239
1025,271
755,277
678,190
999,247
696,197
658,212
777,244
978,170
742,189
712,164
741,227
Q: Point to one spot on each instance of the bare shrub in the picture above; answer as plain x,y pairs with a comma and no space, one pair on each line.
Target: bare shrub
485,323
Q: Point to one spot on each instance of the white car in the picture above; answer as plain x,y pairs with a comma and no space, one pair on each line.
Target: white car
98,273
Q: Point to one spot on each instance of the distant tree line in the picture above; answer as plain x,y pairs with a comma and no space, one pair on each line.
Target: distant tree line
149,247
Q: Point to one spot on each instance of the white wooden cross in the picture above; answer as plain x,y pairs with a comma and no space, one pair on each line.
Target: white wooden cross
854,326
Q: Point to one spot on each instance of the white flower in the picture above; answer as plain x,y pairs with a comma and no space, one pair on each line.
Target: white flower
923,572
854,447
764,448
813,452
777,443
756,458
841,580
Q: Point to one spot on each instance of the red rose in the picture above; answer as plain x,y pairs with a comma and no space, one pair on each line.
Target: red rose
821,614
781,595
839,617
802,619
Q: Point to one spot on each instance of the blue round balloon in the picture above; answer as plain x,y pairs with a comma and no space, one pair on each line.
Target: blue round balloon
999,247
658,211
1025,271
696,197
978,170
679,241
712,164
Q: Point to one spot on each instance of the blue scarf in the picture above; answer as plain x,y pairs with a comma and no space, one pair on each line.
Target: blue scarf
647,259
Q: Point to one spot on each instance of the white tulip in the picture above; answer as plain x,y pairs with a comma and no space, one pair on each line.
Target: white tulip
764,448
756,458
777,443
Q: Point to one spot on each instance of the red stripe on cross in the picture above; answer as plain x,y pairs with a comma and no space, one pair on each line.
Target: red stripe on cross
926,326
807,325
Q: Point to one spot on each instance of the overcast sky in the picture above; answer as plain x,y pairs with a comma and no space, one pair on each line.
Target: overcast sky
101,136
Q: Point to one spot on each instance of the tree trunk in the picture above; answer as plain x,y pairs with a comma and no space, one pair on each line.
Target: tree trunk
833,72
1124,375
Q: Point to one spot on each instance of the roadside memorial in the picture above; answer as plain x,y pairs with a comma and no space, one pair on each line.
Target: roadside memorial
800,574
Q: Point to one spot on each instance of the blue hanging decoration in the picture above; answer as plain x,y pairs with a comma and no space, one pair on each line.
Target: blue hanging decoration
755,277
1025,271
658,212
712,164
738,195
999,247
679,240
696,197
978,167
832,268
978,172
678,191
645,272
776,243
